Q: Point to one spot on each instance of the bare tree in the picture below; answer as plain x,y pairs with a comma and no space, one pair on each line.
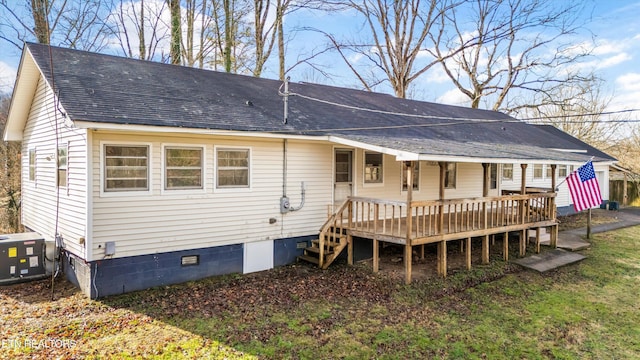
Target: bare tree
512,46
581,110
140,28
9,177
198,40
399,32
77,24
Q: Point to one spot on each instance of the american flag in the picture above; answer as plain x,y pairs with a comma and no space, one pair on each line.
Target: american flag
584,188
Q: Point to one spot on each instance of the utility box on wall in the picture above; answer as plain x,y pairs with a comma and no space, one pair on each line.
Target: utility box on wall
21,257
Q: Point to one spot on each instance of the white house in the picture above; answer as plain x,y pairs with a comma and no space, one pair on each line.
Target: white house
152,174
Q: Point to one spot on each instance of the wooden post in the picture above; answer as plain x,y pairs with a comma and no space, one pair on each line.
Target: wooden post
468,254
349,249
485,250
523,191
442,250
624,190
523,242
523,179
589,223
443,169
486,179
537,240
553,239
408,253
505,246
376,256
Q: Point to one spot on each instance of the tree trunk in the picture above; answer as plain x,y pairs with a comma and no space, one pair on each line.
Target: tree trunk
228,18
176,31
40,10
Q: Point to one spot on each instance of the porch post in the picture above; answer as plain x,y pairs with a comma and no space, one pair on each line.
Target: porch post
523,209
485,193
624,189
553,239
485,179
442,245
408,253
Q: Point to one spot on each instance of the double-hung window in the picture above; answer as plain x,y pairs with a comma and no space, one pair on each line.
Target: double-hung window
450,175
537,171
62,166
126,168
183,168
493,176
232,168
562,171
415,175
32,164
507,172
372,167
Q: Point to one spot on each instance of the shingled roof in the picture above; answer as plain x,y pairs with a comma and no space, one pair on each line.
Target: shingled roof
103,89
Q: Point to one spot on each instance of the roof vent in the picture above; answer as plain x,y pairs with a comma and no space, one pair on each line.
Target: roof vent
248,103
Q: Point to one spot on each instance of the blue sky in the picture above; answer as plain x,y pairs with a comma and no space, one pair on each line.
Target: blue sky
612,24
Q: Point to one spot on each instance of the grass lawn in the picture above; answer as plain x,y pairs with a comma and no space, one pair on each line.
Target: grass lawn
589,310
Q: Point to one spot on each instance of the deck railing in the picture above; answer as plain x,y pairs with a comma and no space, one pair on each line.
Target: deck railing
434,218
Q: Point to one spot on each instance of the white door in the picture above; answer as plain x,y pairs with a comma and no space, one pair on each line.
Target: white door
343,177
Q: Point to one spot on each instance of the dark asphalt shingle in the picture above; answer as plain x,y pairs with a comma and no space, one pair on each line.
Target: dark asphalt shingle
108,89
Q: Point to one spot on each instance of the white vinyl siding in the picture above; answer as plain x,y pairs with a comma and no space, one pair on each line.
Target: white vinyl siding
41,204
165,220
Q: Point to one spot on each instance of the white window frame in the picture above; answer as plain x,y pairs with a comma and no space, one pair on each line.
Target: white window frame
493,182
416,172
103,174
560,169
455,175
502,170
203,176
64,167
32,174
364,169
537,167
216,186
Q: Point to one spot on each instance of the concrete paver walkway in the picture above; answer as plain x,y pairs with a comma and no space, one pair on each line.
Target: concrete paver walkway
574,240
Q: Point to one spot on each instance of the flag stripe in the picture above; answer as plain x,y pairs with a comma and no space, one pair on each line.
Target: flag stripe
584,187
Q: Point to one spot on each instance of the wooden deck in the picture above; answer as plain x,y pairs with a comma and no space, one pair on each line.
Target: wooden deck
439,221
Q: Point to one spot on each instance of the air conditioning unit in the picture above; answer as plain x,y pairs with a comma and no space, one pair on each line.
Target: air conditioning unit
21,257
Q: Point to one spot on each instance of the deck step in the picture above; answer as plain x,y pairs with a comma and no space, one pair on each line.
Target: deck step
311,259
316,250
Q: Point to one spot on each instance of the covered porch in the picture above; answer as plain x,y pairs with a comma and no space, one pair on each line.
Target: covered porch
411,223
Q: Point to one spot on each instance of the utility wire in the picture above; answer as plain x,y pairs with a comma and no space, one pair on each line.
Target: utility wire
468,120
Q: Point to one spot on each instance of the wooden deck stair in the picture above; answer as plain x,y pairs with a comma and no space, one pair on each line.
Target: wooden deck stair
335,241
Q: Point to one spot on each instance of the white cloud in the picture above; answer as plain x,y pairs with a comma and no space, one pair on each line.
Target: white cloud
453,97
437,76
7,78
627,92
629,82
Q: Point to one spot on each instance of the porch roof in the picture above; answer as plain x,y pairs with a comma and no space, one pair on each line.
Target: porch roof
97,90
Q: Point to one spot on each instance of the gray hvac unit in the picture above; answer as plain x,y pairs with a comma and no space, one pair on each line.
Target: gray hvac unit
21,257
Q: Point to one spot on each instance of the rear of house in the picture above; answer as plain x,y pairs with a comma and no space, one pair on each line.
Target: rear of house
145,177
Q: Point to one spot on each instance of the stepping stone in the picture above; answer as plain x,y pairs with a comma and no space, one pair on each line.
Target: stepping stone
549,260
